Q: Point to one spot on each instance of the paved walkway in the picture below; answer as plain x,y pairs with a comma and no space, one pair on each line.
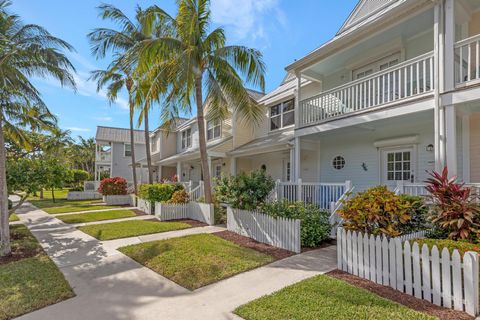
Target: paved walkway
110,285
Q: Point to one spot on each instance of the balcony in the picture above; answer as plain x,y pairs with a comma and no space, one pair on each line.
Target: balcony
411,79
467,61
103,157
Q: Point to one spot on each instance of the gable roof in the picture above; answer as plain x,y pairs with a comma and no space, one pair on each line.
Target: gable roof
119,135
363,10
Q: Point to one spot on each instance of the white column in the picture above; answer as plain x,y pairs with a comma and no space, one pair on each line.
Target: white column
466,147
292,164
179,171
438,66
451,139
297,170
209,159
233,166
298,97
449,44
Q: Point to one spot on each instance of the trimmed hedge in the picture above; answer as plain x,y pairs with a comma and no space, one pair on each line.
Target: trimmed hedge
116,186
462,246
314,227
158,192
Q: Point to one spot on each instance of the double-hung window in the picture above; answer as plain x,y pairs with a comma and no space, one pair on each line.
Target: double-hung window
127,150
186,138
282,115
213,129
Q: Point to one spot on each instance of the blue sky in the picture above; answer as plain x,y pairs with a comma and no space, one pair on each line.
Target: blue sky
284,30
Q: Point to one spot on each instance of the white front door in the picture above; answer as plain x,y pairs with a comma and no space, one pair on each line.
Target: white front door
398,165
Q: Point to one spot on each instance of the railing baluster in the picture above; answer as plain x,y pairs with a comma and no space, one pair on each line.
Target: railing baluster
461,65
424,63
477,66
469,71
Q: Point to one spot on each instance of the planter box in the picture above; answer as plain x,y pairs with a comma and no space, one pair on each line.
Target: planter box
83,195
144,206
117,200
193,210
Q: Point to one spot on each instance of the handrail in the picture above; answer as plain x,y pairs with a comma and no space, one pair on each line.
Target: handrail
469,40
374,75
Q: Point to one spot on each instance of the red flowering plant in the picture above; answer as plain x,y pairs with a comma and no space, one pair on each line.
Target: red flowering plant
113,186
453,207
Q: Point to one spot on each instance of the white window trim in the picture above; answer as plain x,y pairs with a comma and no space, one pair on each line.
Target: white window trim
281,127
414,159
375,64
215,170
187,145
125,149
213,128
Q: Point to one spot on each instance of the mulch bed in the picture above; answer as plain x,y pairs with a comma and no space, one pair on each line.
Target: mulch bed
326,243
276,253
402,298
19,253
138,212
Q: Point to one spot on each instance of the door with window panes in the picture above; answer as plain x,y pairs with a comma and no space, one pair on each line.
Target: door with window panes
397,165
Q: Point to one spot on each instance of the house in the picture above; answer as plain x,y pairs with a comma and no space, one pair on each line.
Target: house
113,153
393,95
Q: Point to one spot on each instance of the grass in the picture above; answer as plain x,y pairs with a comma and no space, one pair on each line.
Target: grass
13,217
77,208
461,246
47,194
125,229
96,216
29,283
197,260
325,298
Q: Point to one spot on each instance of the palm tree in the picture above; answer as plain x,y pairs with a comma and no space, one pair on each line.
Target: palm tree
122,42
195,60
25,51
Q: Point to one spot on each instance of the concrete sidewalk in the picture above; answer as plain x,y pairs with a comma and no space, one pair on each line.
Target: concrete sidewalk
110,285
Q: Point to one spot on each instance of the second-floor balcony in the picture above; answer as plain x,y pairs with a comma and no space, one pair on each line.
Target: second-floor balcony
411,79
467,61
103,157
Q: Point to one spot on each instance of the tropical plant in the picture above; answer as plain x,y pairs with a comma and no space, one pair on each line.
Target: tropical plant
179,197
245,191
193,59
157,192
25,51
113,186
453,209
56,174
376,211
77,178
418,213
314,227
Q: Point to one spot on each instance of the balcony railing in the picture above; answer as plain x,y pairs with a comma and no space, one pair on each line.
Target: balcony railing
405,80
467,60
103,157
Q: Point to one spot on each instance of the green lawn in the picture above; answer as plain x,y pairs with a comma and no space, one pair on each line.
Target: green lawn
96,216
125,229
197,260
77,208
13,217
325,298
29,283
47,194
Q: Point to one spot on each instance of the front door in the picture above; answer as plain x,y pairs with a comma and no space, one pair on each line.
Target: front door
397,165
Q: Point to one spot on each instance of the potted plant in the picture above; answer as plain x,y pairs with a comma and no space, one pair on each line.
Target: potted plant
114,191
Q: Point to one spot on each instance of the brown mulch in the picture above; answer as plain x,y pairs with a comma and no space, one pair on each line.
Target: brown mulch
20,252
326,243
400,297
138,212
246,242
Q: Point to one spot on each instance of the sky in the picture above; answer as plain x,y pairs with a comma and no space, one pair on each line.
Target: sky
283,30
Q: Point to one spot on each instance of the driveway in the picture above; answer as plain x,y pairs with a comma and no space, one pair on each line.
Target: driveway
109,285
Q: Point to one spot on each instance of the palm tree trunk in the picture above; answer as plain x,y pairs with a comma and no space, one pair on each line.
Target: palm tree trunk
202,140
132,143
5,247
147,145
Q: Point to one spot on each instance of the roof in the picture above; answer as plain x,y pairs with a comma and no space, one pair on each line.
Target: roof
364,20
119,135
284,91
256,95
269,143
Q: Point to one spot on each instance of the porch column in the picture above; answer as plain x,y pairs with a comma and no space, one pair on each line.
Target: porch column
451,139
298,96
209,159
179,171
296,162
438,87
233,166
449,46
466,148
292,164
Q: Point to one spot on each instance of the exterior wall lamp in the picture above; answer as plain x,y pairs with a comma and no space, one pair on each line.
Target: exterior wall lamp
429,148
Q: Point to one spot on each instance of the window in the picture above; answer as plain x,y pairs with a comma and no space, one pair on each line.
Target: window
399,166
282,115
288,171
127,150
186,138
213,129
376,66
218,171
338,162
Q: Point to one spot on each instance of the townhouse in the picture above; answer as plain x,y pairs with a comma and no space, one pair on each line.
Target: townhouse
395,94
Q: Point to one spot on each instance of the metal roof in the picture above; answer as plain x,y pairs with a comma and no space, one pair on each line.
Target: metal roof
119,135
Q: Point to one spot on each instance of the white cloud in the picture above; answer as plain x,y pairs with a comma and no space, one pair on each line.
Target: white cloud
106,119
247,18
78,129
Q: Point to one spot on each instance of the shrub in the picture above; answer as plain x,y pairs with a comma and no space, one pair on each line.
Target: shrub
418,215
179,197
77,177
462,246
314,227
376,210
113,186
245,191
453,208
157,192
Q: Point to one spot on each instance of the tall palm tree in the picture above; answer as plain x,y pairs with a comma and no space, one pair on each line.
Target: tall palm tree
119,74
25,51
196,60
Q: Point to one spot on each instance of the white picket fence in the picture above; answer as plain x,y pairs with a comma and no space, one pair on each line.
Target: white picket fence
193,210
440,278
83,195
144,205
278,232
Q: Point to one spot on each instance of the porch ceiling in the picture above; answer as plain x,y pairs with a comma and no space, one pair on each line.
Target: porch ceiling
274,142
405,30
